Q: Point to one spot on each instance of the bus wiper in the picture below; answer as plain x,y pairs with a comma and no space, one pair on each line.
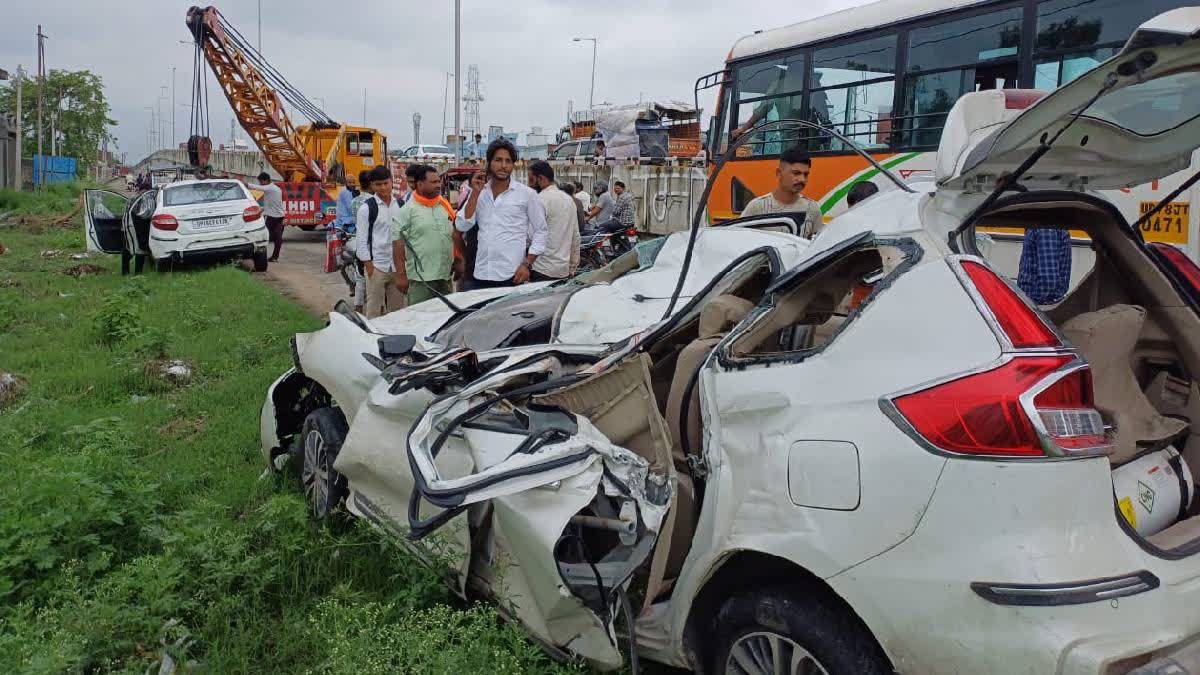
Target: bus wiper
420,278
1009,180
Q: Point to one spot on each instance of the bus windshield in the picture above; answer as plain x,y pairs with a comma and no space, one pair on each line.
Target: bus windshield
885,77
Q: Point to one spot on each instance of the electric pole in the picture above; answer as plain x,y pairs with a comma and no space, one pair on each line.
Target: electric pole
173,106
364,106
17,175
457,81
40,162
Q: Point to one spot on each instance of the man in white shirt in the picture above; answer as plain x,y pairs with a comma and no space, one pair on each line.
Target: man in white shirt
561,257
584,197
508,214
374,244
272,204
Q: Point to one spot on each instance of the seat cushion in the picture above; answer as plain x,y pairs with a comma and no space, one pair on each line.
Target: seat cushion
723,313
689,362
1107,338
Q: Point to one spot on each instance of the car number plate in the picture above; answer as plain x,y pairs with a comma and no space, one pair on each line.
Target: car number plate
209,223
1169,225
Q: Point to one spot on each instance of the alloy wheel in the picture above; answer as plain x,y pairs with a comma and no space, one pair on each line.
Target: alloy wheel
314,475
766,653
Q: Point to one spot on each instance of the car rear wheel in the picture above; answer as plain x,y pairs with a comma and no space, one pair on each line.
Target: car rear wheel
792,630
321,438
162,264
260,261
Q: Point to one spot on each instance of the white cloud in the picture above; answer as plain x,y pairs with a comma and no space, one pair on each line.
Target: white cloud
400,51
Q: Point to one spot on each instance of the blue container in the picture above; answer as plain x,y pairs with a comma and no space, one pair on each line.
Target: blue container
53,169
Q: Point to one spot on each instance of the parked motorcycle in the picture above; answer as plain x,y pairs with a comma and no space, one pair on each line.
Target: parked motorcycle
346,261
599,247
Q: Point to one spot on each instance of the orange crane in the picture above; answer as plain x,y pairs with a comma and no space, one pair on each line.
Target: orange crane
307,156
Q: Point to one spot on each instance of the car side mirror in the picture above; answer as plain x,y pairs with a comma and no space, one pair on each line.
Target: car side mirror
395,346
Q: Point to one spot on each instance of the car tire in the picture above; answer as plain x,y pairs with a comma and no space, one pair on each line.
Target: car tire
260,261
794,630
162,264
320,440
307,228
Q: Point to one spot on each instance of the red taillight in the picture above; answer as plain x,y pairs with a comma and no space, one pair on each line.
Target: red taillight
252,213
992,413
1180,263
1019,322
1067,412
631,232
165,221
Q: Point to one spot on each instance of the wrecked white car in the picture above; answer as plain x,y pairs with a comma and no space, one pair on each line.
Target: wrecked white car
882,459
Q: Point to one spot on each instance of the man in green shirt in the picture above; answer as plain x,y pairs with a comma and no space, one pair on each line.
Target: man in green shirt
423,239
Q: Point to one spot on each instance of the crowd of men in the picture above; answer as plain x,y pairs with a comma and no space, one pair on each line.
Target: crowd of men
503,232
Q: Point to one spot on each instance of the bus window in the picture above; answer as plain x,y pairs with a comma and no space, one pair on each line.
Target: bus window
352,143
851,90
769,91
1074,36
971,54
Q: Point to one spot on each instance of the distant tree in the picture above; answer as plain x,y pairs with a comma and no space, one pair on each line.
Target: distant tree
75,108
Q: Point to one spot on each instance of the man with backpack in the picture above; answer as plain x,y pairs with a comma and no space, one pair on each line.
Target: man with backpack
374,244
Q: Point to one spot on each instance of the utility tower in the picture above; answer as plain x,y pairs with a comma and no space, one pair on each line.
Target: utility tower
471,102
416,128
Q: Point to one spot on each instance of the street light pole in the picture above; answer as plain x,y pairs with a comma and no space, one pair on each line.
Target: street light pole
457,81
595,42
259,26
445,98
173,106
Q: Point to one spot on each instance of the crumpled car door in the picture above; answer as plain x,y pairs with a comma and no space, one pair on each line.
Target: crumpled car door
573,515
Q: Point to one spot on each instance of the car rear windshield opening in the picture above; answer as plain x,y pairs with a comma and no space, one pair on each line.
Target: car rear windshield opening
200,193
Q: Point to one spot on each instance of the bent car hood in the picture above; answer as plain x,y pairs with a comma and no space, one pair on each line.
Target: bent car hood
601,313
607,313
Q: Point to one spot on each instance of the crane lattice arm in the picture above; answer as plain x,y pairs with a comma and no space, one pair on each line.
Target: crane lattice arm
246,80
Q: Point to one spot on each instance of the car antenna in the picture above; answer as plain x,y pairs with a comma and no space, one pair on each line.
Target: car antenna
741,140
1009,180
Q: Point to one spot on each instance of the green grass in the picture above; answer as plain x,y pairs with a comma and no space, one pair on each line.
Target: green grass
54,198
133,518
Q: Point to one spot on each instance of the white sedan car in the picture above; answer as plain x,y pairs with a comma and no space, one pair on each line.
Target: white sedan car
184,220
884,458
414,152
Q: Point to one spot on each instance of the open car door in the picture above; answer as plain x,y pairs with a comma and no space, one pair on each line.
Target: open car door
103,215
1144,125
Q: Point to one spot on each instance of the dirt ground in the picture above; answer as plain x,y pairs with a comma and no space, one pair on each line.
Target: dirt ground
299,275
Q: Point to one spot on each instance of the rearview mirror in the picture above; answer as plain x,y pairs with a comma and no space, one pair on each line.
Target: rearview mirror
395,346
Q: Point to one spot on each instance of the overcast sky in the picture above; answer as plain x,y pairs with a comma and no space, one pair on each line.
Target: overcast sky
400,52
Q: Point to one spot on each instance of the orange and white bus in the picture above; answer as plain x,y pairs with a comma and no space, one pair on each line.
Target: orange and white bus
885,74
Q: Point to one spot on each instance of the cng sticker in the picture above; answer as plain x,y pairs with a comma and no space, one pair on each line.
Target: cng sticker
1145,497
1126,506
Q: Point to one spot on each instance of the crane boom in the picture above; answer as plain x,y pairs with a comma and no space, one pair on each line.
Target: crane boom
257,105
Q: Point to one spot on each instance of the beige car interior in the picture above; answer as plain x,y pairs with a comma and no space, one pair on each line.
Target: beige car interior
1140,337
636,405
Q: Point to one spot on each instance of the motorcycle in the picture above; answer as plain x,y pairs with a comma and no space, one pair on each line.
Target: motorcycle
345,260
601,246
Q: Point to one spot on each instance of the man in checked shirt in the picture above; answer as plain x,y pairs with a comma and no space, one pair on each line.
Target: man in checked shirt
1045,268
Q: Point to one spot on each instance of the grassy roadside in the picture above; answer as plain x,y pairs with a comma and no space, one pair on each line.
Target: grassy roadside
133,520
